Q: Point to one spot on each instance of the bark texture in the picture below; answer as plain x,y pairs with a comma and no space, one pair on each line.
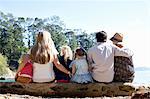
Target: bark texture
69,89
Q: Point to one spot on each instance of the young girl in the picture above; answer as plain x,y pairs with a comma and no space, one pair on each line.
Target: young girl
43,54
23,60
80,73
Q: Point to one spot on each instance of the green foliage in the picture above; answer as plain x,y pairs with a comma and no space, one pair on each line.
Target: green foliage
11,37
73,43
17,34
3,65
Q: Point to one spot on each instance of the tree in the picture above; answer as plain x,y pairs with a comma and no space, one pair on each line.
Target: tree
72,40
55,26
3,65
11,38
17,34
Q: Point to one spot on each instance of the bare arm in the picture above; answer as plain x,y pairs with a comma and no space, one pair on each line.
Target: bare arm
73,69
60,66
123,52
90,61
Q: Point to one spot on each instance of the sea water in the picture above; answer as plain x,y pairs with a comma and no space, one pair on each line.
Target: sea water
142,77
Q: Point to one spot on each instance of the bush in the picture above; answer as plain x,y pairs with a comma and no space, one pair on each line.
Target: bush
3,65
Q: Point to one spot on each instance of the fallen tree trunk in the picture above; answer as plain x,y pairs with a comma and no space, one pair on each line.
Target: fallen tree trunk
68,89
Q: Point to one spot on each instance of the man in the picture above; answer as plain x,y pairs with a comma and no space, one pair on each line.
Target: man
101,58
123,66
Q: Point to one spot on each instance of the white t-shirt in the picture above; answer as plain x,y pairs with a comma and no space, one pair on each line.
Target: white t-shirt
101,57
43,72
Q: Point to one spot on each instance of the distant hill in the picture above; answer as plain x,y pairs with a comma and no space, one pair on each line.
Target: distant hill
142,68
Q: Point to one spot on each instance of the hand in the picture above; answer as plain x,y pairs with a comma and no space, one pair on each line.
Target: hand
70,75
90,69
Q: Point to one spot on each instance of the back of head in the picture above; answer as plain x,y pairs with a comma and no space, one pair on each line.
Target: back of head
41,52
117,37
80,52
66,52
101,36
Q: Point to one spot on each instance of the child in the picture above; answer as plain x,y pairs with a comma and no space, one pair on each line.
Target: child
23,60
24,73
80,73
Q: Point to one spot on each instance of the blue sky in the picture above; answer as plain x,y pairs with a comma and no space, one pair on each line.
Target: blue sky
130,17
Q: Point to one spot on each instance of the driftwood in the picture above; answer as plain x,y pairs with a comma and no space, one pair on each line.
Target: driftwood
68,89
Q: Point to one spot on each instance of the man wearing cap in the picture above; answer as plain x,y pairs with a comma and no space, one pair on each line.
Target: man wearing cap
123,66
101,58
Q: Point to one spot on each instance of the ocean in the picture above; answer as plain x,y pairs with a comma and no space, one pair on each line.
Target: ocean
141,77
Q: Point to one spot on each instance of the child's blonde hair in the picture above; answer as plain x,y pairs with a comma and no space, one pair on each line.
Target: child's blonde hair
24,57
42,51
68,52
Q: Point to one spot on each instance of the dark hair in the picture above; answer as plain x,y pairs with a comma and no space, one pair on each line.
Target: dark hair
80,52
101,36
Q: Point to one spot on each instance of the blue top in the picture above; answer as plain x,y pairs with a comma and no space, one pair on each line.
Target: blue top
82,74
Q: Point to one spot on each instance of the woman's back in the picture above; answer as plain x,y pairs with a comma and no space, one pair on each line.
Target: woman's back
43,72
43,54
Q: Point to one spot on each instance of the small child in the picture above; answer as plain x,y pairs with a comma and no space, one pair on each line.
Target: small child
80,73
23,60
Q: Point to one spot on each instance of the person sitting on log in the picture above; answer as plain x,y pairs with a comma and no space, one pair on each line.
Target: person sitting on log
101,58
80,68
123,66
43,54
65,59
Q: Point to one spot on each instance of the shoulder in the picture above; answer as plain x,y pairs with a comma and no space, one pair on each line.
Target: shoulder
55,52
91,49
109,43
46,64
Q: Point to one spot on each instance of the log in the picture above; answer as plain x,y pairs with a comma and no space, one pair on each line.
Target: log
68,89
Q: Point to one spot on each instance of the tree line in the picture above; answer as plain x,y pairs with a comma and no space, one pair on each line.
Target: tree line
17,34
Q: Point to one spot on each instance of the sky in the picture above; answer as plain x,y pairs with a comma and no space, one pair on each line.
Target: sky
129,17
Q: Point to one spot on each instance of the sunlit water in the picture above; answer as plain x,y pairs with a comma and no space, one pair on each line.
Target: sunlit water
142,77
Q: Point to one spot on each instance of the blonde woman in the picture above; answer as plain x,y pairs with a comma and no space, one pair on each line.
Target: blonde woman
43,55
65,59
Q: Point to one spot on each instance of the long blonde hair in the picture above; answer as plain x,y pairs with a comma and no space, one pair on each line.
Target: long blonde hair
43,50
68,52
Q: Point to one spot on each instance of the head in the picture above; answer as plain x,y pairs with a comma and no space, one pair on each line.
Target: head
79,52
66,52
118,37
42,51
24,58
101,36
